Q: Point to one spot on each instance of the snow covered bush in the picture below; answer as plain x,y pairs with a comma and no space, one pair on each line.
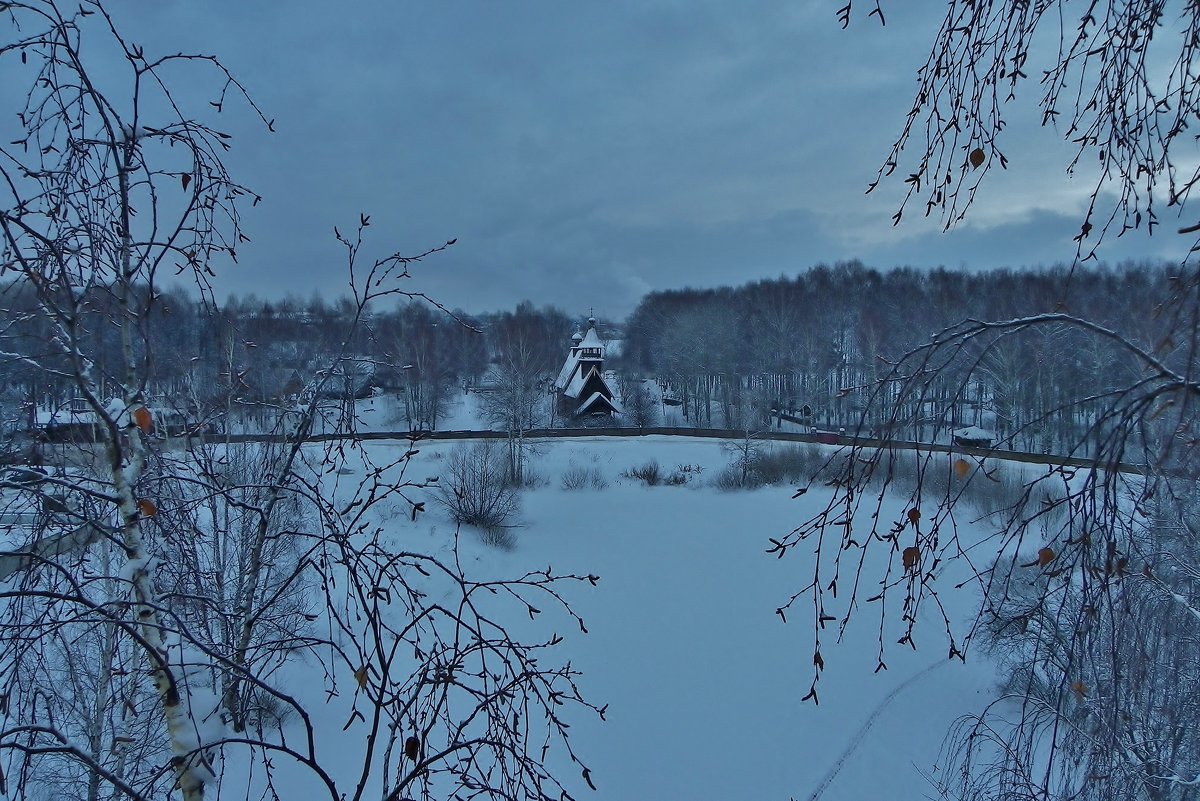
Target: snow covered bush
649,473
578,478
652,474
787,464
756,463
244,573
475,490
729,479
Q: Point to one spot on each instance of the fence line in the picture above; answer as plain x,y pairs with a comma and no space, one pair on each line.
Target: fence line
80,538
709,433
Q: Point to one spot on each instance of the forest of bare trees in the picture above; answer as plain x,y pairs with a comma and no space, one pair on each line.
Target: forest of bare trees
815,345
809,346
152,596
244,358
1089,583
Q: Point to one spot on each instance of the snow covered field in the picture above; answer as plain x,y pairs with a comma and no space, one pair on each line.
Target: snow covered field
702,679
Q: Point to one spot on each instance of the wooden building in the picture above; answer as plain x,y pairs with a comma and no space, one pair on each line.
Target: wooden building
581,387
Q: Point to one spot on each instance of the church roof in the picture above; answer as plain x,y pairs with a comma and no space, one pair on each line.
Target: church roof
592,340
580,343
577,381
597,402
568,369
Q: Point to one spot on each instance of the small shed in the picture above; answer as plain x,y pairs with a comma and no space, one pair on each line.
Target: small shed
974,437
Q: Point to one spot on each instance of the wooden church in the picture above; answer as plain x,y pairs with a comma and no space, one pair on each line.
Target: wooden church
581,387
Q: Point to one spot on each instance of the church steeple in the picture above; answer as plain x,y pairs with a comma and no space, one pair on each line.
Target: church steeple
590,347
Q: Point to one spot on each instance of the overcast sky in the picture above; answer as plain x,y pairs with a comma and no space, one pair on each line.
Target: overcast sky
585,153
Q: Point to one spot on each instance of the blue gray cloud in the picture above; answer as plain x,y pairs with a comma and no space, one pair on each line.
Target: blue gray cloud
583,154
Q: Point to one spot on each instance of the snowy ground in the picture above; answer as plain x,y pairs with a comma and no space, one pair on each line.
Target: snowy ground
702,679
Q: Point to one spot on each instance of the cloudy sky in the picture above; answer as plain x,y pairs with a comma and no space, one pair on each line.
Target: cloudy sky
585,153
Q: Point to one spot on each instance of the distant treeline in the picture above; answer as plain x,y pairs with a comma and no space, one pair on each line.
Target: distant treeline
810,347
814,345
249,355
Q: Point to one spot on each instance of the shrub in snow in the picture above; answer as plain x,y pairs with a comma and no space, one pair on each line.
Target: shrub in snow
986,485
682,475
652,475
474,489
578,478
789,464
265,712
754,465
529,479
729,479
649,473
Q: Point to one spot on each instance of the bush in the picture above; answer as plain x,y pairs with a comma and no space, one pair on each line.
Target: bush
788,465
473,489
267,712
682,475
998,488
530,479
652,475
729,479
792,464
578,478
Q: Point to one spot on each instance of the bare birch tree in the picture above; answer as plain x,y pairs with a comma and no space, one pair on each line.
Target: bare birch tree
1088,576
158,605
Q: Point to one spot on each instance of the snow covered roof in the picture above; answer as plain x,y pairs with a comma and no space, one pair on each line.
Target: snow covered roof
568,368
67,414
974,436
577,381
79,414
586,352
592,340
597,399
45,417
974,432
